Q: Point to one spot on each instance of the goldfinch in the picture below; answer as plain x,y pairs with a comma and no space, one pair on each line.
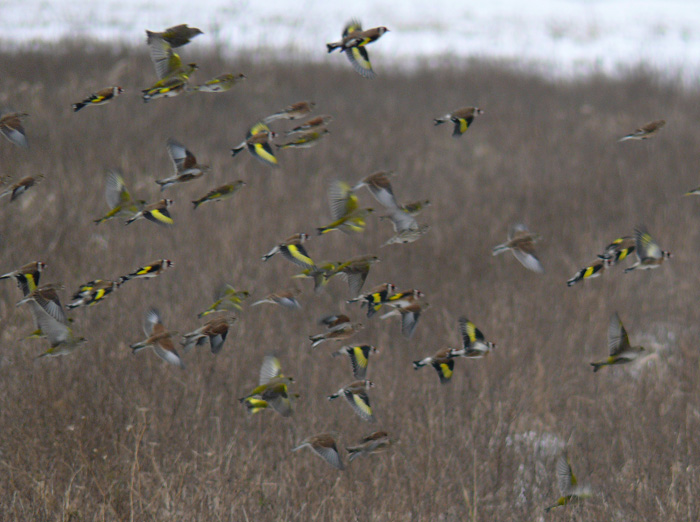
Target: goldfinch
618,250
215,330
23,185
443,363
645,131
405,297
649,254
185,164
570,490
221,83
318,121
353,43
373,443
11,127
324,446
306,139
258,143
339,328
148,271
522,243
176,36
99,98
590,271
375,298
409,314
621,351
355,272
92,293
292,112
359,358
292,249
286,298
356,395
159,339
156,212
462,119
344,210
226,298
27,276
220,193
474,344
119,200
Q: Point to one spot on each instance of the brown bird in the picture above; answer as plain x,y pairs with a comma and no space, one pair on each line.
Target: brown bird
11,127
215,329
286,298
159,339
410,314
324,446
185,163
355,272
645,131
292,112
373,443
379,185
99,98
339,328
522,243
462,118
22,186
176,36
318,121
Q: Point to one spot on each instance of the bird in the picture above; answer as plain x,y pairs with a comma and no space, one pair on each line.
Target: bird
443,363
407,236
221,83
176,36
159,339
375,298
413,208
215,330
99,98
220,193
522,243
21,187
185,164
51,320
649,254
286,298
226,298
621,351
369,445
292,249
258,143
173,76
255,405
569,488
405,298
339,328
292,112
319,274
474,344
11,127
359,358
119,200
693,192
618,250
409,314
593,269
325,447
645,131
166,88
305,139
345,213
462,119
156,212
355,271
353,43
92,293
272,386
356,395
379,185
318,121
148,271
27,276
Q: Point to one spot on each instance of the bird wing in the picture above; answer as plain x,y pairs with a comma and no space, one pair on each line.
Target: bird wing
528,259
341,199
359,358
297,254
618,341
180,155
359,59
151,319
565,478
165,60
360,403
270,368
116,192
408,322
402,221
356,280
160,216
645,244
56,331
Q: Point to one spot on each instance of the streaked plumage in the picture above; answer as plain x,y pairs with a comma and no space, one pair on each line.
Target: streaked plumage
356,395
645,131
176,36
185,164
339,328
156,212
375,298
353,43
649,254
474,344
593,269
568,485
148,271
443,363
324,446
621,351
318,121
27,276
376,442
359,358
305,139
258,143
118,198
221,83
11,127
226,298
99,98
286,298
409,314
292,249
355,272
522,243
159,339
93,292
22,186
292,112
462,119
345,213
220,193
215,330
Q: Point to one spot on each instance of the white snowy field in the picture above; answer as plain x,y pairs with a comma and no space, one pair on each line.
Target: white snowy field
558,37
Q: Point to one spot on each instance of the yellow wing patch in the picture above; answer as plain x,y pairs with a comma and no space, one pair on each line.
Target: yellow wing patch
362,361
264,152
362,405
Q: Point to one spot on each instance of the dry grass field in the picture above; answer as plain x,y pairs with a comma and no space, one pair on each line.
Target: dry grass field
106,435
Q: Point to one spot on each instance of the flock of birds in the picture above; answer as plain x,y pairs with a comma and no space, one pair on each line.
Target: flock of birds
274,388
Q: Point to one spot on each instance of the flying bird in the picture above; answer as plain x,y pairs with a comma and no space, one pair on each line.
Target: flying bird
645,131
185,164
119,200
159,339
353,43
375,298
325,447
99,98
355,271
220,193
92,293
462,119
522,243
356,395
359,358
569,487
621,351
11,127
21,187
318,121
156,212
443,363
286,298
257,142
305,139
27,276
474,344
221,83
226,298
339,328
373,443
345,213
273,387
593,269
292,112
148,271
215,330
176,36
649,254
293,250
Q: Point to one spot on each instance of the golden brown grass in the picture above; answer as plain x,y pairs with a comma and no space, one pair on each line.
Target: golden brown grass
104,435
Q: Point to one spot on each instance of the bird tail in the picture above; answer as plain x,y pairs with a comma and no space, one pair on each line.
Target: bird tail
499,249
123,279
353,453
575,279
197,203
625,138
439,121
236,150
332,397
418,364
316,340
333,46
78,106
597,366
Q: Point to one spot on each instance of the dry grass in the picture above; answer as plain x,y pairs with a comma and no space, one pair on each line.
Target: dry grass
104,435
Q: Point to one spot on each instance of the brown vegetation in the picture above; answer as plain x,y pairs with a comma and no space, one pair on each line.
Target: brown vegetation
106,435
